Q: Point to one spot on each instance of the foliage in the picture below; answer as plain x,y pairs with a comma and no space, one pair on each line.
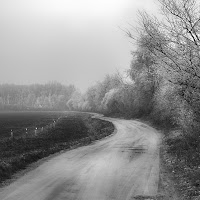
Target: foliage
174,45
92,99
182,159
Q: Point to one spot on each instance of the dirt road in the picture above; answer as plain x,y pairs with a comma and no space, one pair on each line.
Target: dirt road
123,166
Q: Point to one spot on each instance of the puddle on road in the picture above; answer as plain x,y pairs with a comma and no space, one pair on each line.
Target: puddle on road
136,149
157,197
132,152
135,152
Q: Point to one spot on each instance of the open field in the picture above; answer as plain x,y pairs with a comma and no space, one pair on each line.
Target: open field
71,129
19,121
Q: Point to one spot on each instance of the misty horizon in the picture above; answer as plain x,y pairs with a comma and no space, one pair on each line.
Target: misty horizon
68,42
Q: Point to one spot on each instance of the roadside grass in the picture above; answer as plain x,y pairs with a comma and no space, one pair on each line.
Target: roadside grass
182,158
180,161
73,130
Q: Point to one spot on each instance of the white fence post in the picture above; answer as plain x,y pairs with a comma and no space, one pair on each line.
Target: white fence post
36,131
11,134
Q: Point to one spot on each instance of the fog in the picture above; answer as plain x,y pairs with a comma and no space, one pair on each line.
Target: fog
72,41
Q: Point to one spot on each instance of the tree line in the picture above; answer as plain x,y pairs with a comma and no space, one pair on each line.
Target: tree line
50,96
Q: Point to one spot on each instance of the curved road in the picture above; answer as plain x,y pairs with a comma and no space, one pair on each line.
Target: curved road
124,166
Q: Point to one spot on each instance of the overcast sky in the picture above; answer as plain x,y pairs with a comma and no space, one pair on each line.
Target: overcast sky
70,41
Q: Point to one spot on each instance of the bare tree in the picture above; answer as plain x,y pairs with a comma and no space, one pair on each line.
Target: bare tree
175,41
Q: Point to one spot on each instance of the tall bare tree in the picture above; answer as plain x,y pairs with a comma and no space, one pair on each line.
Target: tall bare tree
173,39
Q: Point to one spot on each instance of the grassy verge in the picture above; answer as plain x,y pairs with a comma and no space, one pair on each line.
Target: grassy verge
167,184
180,163
73,130
182,159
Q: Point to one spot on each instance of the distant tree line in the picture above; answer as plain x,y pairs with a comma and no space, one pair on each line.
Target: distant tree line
50,96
